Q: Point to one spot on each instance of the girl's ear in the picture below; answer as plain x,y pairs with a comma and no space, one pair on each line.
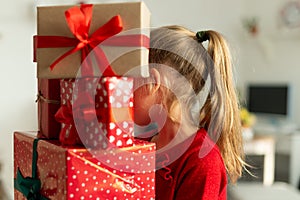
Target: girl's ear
155,75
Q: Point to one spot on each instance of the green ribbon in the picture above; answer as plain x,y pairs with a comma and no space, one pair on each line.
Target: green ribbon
30,186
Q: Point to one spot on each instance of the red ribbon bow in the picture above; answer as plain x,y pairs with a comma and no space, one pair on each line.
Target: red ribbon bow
78,20
82,114
85,112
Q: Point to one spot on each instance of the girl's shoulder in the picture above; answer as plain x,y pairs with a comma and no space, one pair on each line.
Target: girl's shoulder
200,166
203,153
201,173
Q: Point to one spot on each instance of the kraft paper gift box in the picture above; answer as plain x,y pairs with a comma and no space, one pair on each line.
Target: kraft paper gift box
110,99
45,169
48,103
128,50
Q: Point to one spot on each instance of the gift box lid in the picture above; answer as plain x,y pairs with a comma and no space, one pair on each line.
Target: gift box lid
51,22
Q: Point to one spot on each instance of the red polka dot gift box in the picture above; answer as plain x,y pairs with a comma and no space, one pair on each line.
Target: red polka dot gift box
44,169
96,112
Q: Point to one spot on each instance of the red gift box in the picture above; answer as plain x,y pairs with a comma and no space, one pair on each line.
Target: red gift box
76,173
110,99
48,104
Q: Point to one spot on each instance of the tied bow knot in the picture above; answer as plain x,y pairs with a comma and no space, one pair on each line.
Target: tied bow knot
30,186
84,112
78,20
82,44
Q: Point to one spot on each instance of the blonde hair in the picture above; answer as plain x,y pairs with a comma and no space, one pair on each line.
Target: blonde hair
180,49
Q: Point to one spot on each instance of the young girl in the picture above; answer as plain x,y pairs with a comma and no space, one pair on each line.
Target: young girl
190,95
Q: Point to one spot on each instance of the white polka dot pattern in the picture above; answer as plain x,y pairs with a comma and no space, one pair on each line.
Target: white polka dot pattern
113,104
73,173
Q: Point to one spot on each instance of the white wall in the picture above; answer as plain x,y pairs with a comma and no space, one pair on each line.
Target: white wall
273,56
18,82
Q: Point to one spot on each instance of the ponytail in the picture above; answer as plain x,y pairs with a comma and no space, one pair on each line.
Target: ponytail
225,100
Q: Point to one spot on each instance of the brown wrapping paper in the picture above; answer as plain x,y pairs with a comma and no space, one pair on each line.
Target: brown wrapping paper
51,22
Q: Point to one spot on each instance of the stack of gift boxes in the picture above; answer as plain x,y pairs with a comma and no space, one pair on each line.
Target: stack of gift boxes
85,146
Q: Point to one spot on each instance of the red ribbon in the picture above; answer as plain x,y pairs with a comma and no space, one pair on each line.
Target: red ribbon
78,20
85,112
64,115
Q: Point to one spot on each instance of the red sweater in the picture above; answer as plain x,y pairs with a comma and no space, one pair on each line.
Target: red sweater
190,177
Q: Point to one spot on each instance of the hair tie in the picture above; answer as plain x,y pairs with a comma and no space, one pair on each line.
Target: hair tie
202,36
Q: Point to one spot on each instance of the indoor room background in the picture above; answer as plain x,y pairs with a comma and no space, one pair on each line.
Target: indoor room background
268,55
